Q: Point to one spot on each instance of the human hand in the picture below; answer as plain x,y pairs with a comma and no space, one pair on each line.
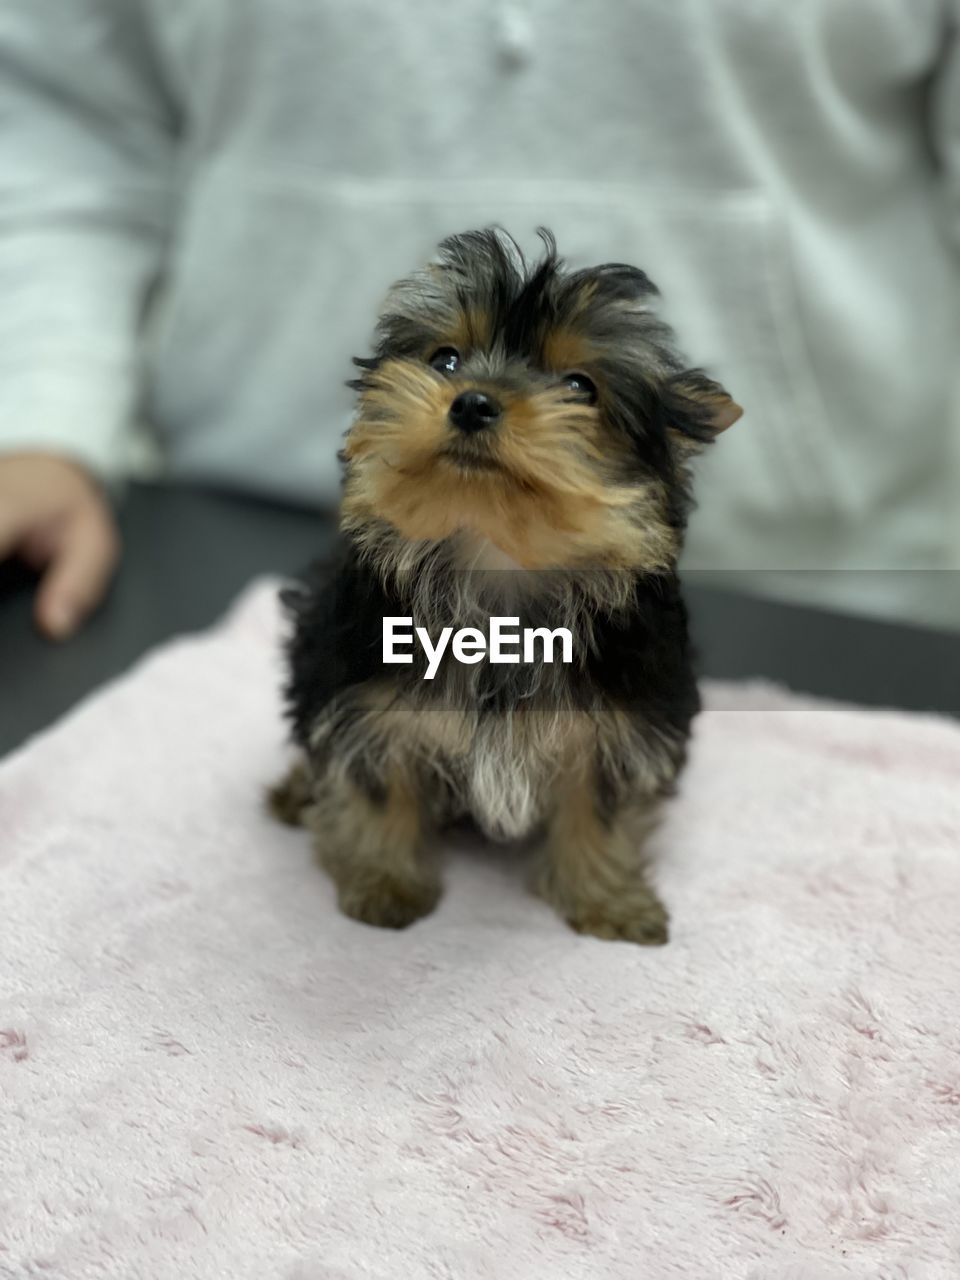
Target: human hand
54,516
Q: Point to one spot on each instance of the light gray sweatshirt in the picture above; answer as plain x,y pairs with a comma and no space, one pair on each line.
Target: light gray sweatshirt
202,202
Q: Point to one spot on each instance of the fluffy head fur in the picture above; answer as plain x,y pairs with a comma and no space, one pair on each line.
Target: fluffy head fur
563,479
565,507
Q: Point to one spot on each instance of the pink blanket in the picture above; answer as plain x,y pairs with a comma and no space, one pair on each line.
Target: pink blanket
206,1071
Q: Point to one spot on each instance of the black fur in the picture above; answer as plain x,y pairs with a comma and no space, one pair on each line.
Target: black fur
639,656
486,270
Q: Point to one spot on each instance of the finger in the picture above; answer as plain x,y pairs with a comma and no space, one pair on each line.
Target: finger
80,569
12,530
37,546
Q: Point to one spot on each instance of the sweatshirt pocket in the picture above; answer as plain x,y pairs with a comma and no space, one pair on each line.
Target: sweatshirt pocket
316,258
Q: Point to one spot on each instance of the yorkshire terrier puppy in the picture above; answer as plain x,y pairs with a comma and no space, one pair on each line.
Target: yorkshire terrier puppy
520,450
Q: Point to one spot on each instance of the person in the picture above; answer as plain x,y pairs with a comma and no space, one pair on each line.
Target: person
202,206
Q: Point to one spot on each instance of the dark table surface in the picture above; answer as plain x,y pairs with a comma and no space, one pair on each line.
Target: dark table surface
188,552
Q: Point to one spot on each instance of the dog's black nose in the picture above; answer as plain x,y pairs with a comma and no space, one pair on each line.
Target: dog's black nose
474,410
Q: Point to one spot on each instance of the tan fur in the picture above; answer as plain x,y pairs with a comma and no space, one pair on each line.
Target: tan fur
374,850
592,871
480,585
407,740
288,798
586,296
723,411
550,501
567,351
521,771
445,518
472,331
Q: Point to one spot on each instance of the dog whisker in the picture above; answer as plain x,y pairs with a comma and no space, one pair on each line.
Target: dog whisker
521,451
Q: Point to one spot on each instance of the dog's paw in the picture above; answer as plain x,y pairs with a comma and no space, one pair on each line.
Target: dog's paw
288,799
387,901
642,920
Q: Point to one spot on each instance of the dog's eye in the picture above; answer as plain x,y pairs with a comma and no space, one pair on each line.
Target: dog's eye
445,360
581,387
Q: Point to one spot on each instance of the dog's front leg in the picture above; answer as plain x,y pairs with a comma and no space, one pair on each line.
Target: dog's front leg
374,844
593,870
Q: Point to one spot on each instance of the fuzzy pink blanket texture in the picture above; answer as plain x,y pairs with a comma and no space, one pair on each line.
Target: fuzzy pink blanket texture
206,1071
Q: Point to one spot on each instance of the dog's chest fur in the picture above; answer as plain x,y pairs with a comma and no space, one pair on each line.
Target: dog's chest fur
493,741
509,778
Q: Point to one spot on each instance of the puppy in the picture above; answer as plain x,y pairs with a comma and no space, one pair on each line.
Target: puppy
520,451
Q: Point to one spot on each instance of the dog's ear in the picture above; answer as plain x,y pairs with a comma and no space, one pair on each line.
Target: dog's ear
697,408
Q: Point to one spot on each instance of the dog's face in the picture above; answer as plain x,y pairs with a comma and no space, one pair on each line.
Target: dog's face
540,411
